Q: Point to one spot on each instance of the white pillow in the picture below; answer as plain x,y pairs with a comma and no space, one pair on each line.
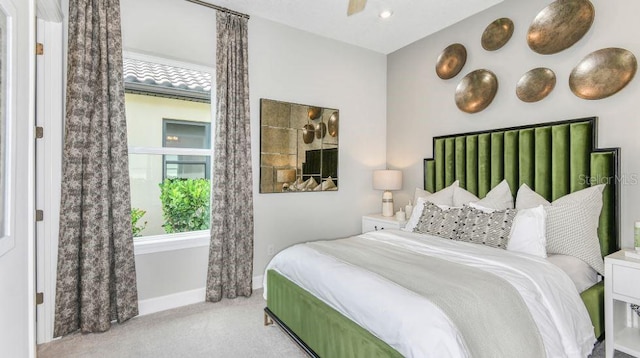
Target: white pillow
440,197
582,275
527,198
443,198
420,193
326,185
572,222
528,231
310,184
498,198
463,197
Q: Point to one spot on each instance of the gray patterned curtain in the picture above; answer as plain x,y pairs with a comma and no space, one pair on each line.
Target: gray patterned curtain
96,270
231,248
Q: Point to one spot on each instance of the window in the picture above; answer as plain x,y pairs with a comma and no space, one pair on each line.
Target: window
186,134
169,134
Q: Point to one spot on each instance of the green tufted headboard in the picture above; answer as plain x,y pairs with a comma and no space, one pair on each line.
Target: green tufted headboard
554,159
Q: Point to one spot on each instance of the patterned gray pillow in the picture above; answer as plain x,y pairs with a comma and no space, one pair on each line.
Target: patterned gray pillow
572,222
491,229
438,222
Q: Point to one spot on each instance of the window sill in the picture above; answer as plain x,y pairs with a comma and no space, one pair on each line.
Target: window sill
170,242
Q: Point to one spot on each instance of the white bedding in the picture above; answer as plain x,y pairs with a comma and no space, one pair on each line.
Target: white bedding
413,325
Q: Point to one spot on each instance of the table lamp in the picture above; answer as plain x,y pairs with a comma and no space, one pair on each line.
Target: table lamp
285,176
387,180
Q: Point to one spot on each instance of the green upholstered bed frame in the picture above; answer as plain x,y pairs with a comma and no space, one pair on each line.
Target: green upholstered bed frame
554,159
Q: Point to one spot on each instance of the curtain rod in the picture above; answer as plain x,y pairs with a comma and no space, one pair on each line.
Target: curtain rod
219,8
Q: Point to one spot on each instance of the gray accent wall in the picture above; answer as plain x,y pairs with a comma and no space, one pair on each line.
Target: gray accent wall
420,105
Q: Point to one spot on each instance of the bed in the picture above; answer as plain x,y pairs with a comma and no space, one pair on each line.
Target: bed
553,159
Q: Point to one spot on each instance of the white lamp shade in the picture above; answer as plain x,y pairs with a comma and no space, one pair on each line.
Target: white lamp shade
387,179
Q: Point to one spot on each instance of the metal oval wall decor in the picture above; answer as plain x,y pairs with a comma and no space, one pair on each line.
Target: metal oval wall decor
451,61
333,124
314,112
603,73
536,84
321,130
307,133
497,34
476,91
560,25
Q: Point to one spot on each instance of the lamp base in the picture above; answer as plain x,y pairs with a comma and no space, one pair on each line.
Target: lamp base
387,203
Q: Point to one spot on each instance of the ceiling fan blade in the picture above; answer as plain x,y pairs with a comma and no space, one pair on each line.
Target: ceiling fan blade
356,6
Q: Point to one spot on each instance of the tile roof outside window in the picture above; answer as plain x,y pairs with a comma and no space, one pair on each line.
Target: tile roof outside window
161,79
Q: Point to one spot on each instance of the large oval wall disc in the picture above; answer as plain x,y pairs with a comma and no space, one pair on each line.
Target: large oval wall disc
603,73
314,112
321,130
535,84
476,91
451,61
560,25
497,34
308,133
333,124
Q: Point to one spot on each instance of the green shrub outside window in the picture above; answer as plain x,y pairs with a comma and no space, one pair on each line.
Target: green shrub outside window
185,204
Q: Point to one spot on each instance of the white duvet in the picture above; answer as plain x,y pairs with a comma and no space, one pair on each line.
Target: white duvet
414,326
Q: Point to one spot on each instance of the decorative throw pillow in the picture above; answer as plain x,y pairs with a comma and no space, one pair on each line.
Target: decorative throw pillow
416,214
438,222
498,198
443,198
491,229
528,230
572,223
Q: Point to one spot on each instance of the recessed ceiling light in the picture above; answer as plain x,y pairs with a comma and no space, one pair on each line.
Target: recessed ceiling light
385,14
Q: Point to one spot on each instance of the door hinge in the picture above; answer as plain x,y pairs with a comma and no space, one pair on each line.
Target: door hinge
39,132
39,215
39,49
39,298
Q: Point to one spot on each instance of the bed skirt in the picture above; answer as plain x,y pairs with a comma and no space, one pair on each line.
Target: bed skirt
322,329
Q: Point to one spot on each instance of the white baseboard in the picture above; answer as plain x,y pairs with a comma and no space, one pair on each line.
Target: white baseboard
257,282
180,299
174,300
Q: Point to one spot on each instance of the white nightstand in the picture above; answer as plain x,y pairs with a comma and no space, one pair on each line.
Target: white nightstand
374,222
621,288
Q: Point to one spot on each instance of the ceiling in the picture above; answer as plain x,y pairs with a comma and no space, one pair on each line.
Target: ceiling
411,19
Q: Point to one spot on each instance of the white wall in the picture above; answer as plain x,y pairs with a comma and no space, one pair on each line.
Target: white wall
421,105
171,28
287,65
294,66
17,306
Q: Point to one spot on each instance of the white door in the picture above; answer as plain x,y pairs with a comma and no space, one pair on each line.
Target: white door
17,84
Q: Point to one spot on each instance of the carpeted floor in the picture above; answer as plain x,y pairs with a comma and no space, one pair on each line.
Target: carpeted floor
229,329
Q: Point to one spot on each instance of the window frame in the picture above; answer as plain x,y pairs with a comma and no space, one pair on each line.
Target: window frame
207,128
177,241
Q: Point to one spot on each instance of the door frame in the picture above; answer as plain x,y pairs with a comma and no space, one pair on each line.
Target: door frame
49,115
